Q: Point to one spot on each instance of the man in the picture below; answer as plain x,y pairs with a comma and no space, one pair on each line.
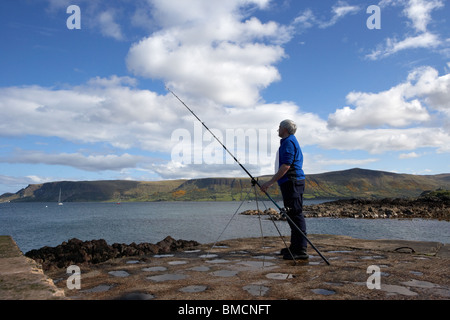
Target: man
291,179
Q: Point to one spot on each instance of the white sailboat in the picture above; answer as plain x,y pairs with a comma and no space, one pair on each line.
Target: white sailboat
59,199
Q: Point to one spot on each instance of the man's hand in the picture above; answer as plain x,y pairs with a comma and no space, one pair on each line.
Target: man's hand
281,172
266,186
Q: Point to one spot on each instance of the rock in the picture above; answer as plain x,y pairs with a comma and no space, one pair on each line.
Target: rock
77,252
271,211
382,208
252,212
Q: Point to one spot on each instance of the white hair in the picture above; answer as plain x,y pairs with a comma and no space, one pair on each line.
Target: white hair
289,125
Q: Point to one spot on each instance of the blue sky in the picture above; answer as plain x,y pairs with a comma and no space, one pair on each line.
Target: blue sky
91,103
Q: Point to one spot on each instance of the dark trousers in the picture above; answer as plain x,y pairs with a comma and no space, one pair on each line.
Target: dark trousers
292,192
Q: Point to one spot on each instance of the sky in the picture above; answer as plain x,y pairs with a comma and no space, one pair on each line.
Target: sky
84,87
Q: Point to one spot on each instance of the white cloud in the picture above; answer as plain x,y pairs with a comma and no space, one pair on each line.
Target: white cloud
13,184
403,105
112,81
38,179
392,46
308,19
375,110
409,155
175,170
212,51
305,20
114,112
104,110
378,141
419,13
108,26
98,16
339,10
434,89
76,160
317,163
169,13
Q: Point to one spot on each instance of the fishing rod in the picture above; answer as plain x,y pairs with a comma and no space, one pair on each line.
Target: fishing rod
254,181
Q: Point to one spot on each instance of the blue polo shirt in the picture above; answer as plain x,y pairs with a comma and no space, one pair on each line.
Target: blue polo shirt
291,154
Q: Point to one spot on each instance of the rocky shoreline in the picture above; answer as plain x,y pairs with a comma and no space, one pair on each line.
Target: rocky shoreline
383,209
424,208
76,251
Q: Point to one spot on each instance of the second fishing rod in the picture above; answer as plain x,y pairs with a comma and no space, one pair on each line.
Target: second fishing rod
254,181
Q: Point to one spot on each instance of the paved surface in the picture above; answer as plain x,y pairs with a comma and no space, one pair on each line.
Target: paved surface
21,278
251,269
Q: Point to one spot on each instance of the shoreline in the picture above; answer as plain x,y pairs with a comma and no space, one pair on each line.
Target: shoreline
436,209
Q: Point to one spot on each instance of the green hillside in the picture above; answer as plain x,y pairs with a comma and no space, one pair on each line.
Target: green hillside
354,183
361,183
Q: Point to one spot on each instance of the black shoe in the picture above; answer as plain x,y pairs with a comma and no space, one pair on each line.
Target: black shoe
286,251
293,255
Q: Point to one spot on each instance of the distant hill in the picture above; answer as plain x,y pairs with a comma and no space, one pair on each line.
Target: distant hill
353,183
362,183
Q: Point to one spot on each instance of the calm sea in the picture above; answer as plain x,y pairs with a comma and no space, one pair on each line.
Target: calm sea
34,225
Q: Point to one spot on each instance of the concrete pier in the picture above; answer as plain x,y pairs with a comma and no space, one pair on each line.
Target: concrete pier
21,278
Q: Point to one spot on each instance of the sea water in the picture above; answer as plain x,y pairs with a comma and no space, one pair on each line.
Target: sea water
35,224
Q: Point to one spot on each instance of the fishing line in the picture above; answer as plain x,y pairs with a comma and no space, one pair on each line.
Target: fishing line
245,199
262,236
271,217
260,223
